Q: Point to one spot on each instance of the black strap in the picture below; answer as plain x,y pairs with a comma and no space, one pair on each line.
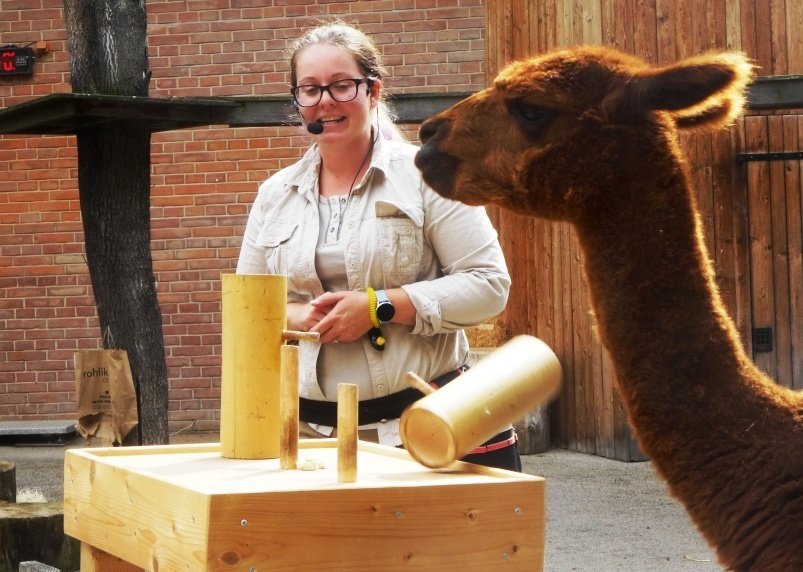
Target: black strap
370,410
442,380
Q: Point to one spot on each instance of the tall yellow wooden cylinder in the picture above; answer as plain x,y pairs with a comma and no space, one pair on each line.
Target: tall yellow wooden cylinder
254,316
499,390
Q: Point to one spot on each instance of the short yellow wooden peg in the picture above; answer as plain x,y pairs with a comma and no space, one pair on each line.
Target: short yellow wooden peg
288,457
347,432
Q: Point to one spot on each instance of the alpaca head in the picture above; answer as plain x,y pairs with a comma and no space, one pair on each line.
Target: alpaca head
553,130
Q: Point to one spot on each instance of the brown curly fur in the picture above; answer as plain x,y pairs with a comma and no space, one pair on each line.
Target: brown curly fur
589,135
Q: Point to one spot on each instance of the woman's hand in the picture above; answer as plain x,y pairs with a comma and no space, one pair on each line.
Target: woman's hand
345,316
303,317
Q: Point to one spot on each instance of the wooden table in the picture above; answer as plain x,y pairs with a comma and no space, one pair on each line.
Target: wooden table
185,508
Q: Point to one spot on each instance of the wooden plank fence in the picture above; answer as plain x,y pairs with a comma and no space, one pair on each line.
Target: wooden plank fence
751,210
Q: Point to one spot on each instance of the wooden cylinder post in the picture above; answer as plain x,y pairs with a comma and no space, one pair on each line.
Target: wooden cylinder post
254,318
347,432
288,403
501,388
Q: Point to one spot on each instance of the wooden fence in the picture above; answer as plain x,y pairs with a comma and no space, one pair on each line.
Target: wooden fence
748,184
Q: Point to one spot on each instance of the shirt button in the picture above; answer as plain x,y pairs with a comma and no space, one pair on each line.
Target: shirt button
380,387
343,200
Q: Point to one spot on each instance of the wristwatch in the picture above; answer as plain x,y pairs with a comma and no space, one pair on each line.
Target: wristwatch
384,307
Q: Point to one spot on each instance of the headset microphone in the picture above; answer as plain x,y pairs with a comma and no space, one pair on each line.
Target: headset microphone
316,127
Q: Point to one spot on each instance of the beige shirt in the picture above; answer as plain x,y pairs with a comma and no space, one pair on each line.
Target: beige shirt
396,232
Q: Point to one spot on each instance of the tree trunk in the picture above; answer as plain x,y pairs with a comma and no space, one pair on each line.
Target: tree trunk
108,55
35,531
8,481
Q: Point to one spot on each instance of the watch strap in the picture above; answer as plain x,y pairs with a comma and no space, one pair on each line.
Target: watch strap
372,307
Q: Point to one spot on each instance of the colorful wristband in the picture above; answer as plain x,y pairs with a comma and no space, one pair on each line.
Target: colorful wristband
372,307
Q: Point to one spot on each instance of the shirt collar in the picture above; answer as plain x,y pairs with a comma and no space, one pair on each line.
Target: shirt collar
307,167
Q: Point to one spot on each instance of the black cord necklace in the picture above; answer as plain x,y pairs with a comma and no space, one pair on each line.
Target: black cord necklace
341,211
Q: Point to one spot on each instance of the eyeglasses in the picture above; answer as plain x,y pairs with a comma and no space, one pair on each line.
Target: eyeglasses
342,90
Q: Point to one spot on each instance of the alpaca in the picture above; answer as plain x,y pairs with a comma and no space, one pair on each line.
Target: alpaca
589,135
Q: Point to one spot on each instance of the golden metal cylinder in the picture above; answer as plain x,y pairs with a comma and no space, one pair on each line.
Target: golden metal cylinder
254,309
500,389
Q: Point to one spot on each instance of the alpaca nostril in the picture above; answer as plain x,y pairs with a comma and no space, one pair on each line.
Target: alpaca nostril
428,130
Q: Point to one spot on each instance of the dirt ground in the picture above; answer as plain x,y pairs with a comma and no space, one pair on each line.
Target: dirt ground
605,515
602,515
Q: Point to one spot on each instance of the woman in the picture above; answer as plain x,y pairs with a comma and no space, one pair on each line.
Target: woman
383,268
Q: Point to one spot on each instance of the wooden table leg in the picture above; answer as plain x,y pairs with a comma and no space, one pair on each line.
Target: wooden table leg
96,560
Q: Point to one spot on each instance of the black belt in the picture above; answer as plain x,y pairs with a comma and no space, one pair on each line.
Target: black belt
370,410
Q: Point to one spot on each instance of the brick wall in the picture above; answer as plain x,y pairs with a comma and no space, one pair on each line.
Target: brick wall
203,180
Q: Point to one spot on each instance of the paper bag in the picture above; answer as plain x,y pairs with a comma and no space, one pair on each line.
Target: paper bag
107,401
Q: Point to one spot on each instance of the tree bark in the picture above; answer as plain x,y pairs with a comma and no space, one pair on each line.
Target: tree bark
8,481
108,47
35,531
108,55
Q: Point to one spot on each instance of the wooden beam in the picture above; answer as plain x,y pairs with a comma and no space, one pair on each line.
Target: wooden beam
776,92
66,113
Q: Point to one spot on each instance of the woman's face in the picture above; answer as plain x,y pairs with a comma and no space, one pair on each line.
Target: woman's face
344,121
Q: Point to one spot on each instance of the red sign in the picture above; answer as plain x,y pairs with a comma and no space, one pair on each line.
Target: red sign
16,61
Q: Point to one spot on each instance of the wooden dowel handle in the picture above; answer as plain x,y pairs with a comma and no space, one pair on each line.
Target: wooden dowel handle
417,382
288,335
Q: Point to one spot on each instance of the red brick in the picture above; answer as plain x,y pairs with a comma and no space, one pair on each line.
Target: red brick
204,180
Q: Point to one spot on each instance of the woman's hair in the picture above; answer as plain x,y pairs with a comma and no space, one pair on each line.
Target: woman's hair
354,41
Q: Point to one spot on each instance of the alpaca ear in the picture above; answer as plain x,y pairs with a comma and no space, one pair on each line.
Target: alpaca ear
722,114
705,90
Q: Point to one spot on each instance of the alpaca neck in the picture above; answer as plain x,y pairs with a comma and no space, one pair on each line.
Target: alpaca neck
653,291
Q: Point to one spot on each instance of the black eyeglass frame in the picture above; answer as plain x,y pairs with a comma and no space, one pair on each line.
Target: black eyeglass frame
325,88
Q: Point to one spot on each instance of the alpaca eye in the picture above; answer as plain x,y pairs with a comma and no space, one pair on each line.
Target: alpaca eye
534,121
535,114
531,113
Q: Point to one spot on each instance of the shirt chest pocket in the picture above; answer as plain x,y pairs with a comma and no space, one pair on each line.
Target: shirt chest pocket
401,243
275,240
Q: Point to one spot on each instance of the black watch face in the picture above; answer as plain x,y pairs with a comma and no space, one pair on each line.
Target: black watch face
385,312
